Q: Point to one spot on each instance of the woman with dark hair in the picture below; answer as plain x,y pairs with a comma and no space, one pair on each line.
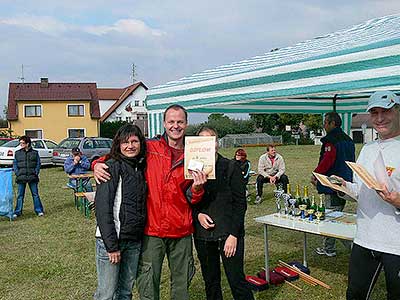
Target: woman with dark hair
244,163
219,228
120,215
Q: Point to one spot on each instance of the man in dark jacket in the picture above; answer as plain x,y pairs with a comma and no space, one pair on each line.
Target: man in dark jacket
337,147
27,167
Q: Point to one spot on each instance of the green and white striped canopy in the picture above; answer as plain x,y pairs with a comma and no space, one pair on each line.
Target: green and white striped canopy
304,78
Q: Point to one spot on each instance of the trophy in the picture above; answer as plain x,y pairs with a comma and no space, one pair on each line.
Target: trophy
292,202
286,198
318,214
278,194
303,208
310,214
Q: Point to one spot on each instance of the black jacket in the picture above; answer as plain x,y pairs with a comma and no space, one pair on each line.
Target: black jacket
26,165
129,205
224,201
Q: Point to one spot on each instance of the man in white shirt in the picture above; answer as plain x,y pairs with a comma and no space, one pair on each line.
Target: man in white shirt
271,169
377,240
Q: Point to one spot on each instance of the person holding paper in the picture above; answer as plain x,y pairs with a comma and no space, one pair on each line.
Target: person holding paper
377,243
337,148
169,226
219,228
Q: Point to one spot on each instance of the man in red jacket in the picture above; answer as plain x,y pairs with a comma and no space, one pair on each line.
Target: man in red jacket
169,225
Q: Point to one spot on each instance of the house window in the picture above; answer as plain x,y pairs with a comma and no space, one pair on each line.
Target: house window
33,110
129,119
76,110
118,118
76,132
34,133
136,102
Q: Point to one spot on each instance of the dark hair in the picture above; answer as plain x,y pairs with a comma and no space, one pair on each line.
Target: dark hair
26,139
176,107
122,135
242,153
334,117
209,129
269,146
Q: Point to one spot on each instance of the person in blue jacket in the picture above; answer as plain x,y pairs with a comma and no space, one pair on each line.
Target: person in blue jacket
76,164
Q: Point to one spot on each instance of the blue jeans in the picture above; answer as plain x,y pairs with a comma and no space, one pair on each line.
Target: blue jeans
37,204
115,281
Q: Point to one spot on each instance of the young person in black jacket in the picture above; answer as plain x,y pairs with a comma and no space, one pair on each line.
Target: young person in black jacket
219,228
120,215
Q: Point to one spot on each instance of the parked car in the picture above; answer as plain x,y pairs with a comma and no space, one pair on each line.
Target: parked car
4,140
91,147
43,146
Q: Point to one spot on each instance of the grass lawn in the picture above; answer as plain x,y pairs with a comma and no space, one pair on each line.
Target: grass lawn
53,257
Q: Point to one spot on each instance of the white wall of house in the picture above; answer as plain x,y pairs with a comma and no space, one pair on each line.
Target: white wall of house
370,134
135,101
105,105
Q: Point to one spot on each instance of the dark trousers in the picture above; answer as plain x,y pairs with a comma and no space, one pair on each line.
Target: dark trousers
284,180
209,253
365,266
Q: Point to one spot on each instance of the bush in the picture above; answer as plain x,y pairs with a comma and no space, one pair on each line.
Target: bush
109,129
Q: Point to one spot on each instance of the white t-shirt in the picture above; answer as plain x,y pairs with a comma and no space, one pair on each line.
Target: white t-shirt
378,226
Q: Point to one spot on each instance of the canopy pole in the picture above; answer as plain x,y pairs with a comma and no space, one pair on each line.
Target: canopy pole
334,102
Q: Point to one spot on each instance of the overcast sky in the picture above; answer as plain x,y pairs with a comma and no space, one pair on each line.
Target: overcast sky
98,40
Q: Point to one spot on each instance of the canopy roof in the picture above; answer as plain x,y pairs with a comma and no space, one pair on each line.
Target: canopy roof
304,78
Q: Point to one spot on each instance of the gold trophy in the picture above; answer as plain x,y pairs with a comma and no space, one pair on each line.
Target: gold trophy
310,214
318,214
303,208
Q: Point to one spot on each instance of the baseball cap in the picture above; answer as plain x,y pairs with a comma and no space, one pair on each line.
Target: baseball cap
383,99
75,150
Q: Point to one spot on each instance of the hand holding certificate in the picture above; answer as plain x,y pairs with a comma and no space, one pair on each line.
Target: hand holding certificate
334,184
365,177
200,155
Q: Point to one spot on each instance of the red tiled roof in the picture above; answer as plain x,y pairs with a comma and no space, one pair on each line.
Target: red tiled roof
109,94
54,92
127,92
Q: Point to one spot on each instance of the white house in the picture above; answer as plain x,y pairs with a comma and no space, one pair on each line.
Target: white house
126,104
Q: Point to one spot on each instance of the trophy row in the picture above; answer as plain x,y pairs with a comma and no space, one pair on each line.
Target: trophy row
297,206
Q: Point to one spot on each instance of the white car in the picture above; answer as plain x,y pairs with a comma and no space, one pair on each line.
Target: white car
43,146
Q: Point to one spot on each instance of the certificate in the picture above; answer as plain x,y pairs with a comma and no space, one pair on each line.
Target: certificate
200,155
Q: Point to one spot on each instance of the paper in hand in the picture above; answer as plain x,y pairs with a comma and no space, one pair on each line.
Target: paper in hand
365,176
325,181
381,173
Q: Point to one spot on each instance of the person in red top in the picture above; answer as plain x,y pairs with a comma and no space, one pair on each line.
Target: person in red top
169,227
337,148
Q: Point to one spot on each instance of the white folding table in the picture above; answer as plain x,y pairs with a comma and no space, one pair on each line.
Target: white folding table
330,227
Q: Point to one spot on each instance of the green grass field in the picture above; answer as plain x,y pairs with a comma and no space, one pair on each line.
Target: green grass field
53,257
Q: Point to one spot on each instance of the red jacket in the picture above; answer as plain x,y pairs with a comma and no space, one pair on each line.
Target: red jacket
169,213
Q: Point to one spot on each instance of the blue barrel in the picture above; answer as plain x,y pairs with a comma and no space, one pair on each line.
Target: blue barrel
6,192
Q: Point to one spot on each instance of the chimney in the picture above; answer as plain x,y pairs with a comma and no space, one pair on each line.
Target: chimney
44,82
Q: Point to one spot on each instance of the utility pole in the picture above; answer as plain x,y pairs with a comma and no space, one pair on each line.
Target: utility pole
22,74
133,73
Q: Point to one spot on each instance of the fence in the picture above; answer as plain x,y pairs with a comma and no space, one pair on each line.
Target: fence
251,139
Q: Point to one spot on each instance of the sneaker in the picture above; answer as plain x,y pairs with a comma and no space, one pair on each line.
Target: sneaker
258,200
322,251
40,214
15,216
